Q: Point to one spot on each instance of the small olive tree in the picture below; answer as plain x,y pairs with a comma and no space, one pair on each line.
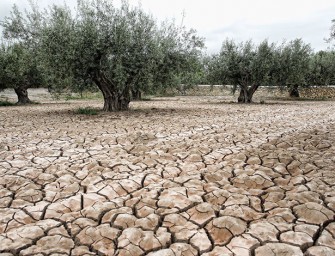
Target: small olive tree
244,66
292,65
19,70
322,68
21,66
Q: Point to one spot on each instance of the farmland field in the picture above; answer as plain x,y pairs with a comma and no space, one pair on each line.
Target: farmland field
172,176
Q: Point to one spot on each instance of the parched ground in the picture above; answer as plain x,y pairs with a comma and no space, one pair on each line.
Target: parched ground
173,176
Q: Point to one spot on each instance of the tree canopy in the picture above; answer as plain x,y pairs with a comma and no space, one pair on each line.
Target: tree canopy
247,66
19,70
292,67
120,50
244,66
322,68
123,51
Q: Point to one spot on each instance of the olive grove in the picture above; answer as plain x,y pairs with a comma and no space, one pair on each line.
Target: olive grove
121,50
247,66
124,52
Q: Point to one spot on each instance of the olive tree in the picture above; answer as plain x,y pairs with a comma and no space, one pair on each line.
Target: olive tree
120,50
322,68
292,65
245,66
19,70
179,65
20,64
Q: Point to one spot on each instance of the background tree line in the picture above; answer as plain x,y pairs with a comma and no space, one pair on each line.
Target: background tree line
124,52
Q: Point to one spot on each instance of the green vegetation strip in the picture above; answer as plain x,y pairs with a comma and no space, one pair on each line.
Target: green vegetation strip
86,111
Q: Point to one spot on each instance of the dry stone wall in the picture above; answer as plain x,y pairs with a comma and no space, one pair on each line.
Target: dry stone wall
319,92
327,92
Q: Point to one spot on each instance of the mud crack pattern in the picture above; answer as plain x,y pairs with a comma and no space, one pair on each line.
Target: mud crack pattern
178,176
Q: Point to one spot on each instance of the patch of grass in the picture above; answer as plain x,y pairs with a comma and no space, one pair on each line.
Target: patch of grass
86,111
6,103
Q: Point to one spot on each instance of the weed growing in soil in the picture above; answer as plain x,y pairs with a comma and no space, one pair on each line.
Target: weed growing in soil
6,103
86,111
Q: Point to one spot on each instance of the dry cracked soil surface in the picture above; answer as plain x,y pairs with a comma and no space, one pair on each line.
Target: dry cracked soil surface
174,176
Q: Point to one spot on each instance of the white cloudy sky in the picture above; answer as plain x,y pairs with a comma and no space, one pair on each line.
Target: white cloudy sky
238,19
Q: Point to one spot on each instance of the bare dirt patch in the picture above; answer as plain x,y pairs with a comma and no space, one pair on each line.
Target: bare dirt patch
174,176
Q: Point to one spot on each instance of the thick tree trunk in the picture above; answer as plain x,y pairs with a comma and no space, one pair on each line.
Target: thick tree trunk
136,95
22,95
114,100
294,92
246,94
182,89
244,97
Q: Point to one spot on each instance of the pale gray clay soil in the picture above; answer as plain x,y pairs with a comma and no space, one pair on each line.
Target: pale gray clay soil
173,176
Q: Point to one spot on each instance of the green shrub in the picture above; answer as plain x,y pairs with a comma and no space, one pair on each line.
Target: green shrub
87,111
6,103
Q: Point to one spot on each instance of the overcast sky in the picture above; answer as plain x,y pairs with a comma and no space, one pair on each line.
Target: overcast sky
217,20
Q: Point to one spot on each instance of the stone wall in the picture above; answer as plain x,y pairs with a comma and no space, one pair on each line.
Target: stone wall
319,92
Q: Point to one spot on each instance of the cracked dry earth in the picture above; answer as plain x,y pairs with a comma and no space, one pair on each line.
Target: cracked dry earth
178,176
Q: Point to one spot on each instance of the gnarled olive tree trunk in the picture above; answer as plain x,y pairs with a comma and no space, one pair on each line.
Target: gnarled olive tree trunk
114,99
22,95
136,94
294,91
246,94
